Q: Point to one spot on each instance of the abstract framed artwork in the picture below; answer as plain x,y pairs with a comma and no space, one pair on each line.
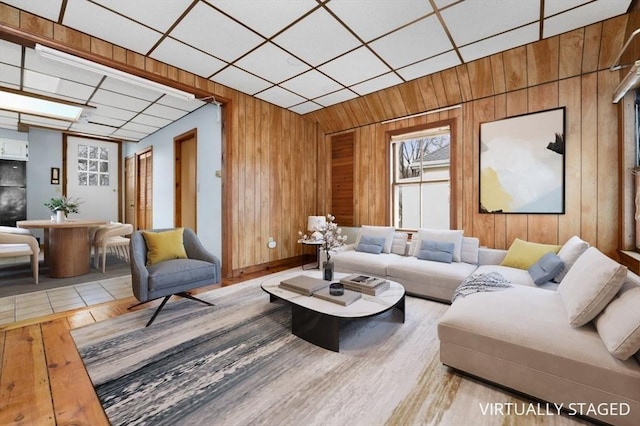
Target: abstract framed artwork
522,164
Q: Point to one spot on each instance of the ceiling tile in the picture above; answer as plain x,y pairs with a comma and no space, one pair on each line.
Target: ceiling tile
279,96
164,14
187,58
354,67
260,15
49,9
35,62
113,112
92,128
305,107
163,111
137,127
8,114
229,41
182,104
378,83
471,21
311,84
336,97
414,43
240,80
500,43
129,135
107,121
10,53
9,75
444,3
429,66
583,16
317,38
118,86
44,122
372,19
552,7
150,120
79,92
117,100
271,63
8,123
99,22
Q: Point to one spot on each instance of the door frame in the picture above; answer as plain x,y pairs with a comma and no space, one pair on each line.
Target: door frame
177,176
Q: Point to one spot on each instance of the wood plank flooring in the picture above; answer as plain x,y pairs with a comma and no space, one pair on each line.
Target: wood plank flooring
42,378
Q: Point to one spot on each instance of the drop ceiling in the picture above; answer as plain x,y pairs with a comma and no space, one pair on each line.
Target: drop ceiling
301,55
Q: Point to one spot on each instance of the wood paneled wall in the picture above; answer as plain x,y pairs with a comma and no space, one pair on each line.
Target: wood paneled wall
269,154
568,70
342,176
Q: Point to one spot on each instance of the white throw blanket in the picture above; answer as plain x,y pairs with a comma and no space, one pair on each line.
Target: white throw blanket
491,281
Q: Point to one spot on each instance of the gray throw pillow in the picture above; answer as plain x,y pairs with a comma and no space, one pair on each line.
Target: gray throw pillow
438,251
370,244
546,268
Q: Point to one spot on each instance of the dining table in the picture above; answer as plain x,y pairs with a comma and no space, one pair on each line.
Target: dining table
67,244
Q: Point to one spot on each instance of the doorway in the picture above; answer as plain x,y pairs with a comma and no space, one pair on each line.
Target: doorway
144,189
186,189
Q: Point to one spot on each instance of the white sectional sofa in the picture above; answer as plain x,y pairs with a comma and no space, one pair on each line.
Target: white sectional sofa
577,347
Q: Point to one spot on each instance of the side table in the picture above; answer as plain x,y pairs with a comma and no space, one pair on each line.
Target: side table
317,244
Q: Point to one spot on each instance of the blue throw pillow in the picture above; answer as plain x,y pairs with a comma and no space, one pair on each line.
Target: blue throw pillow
438,251
370,244
546,269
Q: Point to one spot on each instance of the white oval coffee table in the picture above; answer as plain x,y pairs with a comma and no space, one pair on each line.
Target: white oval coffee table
318,321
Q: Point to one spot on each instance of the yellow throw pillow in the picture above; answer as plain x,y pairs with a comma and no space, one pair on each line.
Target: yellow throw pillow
523,254
164,245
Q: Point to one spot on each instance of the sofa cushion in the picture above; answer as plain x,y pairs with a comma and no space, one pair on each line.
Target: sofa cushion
164,245
514,276
469,250
589,286
569,253
370,244
438,251
166,274
399,245
546,268
365,263
523,254
619,323
378,231
444,235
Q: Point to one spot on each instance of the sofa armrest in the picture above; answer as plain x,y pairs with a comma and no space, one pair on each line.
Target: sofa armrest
489,256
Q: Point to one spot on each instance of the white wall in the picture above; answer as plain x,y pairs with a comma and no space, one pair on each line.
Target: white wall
209,209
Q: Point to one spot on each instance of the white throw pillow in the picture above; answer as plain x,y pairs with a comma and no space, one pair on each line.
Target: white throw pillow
378,231
445,235
399,244
591,283
569,253
619,323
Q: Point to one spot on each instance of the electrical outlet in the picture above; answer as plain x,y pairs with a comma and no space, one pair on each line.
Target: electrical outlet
271,244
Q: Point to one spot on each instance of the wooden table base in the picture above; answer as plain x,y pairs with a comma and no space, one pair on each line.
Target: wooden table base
68,252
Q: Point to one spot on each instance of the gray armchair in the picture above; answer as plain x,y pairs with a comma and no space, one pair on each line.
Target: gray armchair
171,277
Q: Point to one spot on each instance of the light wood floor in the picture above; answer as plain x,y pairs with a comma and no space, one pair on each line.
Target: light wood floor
42,378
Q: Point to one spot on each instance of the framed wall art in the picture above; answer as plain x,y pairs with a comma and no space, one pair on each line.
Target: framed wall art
522,162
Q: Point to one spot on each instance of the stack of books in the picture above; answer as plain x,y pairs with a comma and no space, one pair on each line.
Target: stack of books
365,284
345,299
303,284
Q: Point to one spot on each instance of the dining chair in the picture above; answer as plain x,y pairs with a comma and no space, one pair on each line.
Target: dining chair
111,237
16,242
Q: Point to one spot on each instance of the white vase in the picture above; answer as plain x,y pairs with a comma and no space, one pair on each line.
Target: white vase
60,216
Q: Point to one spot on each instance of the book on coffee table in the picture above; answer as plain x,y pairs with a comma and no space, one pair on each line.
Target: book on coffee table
303,284
346,299
365,284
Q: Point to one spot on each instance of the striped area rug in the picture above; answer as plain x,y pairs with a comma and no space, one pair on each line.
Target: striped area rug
238,364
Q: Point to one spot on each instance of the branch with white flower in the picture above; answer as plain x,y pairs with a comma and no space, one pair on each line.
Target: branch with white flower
331,236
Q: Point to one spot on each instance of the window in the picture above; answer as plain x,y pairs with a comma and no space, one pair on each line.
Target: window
93,166
420,179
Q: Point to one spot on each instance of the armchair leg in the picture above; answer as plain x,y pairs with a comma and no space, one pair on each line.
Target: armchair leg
165,300
189,296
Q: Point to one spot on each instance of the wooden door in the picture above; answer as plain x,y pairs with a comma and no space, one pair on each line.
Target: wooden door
144,213
186,180
130,191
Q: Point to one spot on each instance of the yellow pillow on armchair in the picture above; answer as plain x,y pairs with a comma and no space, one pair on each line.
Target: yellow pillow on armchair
164,245
523,254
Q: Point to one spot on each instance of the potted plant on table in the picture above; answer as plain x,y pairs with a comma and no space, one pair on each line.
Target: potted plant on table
331,238
62,206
